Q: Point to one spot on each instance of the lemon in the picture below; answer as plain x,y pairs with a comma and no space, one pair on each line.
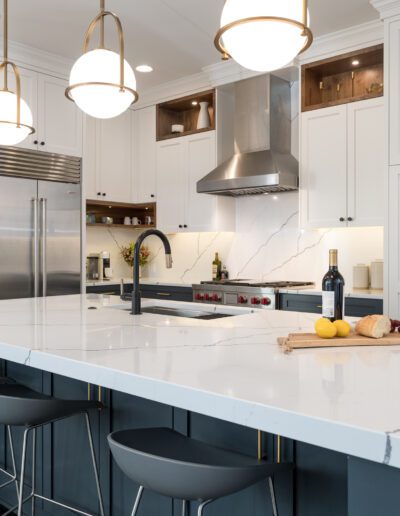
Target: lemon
325,329
343,328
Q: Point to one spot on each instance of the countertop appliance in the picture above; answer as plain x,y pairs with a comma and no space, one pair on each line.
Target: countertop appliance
263,162
250,293
94,267
40,224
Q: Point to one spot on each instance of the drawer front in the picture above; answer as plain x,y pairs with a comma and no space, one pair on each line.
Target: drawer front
148,291
354,306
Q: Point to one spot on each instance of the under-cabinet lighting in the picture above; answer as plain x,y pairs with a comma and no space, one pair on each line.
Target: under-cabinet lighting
144,68
356,62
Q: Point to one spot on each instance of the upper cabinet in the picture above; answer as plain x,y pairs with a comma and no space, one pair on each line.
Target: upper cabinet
107,159
342,165
181,162
393,75
341,79
57,121
144,155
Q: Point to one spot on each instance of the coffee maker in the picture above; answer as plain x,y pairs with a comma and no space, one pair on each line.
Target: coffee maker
96,265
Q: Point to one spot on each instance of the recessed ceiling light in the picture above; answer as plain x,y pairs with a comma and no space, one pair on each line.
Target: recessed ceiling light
356,62
194,103
144,68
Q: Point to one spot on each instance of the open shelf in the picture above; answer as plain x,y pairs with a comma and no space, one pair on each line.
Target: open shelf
181,111
337,80
118,211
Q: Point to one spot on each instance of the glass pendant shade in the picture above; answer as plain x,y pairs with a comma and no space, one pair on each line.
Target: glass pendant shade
94,83
10,132
264,35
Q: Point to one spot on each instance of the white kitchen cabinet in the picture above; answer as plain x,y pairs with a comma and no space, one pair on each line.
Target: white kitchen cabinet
181,162
392,79
342,165
144,155
57,121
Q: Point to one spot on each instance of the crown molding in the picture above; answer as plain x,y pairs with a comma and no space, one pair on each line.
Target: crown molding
386,8
39,60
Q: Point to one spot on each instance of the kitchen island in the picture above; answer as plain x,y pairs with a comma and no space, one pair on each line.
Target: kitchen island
230,369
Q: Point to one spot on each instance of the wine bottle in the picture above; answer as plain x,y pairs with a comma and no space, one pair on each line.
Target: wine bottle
216,268
333,290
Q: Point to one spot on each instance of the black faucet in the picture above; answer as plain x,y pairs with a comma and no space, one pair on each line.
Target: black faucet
136,295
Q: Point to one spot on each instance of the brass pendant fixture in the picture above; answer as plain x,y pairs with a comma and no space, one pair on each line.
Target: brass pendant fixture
102,83
15,114
263,35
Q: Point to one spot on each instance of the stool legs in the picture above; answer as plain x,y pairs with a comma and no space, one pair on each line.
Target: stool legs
96,474
184,508
201,507
272,494
137,501
23,460
13,475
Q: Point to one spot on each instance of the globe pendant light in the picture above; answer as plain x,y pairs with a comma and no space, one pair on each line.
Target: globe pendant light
102,83
263,35
15,115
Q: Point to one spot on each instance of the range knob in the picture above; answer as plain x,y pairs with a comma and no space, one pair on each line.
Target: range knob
207,297
255,301
216,298
199,297
242,300
265,301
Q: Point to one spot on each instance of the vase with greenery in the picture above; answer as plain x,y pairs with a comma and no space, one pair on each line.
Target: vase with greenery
128,253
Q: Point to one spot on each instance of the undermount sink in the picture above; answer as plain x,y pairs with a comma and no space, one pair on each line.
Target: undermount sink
179,312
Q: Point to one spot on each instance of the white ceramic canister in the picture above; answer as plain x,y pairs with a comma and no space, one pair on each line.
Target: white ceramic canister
377,275
360,276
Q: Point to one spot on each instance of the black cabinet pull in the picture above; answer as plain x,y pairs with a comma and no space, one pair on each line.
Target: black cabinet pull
185,225
35,142
180,226
98,193
152,196
42,143
350,219
342,219
103,194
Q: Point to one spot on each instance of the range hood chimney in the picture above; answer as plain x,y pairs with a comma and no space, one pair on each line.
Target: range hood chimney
263,162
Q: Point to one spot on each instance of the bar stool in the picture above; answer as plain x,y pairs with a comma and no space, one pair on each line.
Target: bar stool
177,466
11,476
21,406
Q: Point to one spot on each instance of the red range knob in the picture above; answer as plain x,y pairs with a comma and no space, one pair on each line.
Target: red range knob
216,297
199,297
242,300
207,297
255,301
265,301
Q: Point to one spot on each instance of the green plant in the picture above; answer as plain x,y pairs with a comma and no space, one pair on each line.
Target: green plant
127,253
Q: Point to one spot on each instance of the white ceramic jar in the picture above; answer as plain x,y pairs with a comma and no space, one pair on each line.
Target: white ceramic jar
361,276
377,275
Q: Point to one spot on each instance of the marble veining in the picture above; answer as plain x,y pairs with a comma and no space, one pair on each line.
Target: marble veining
230,368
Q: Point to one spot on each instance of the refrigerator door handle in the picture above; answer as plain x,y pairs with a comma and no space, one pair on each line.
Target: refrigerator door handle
36,271
43,239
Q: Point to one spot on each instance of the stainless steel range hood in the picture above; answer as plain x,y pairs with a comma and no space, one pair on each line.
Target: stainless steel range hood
263,162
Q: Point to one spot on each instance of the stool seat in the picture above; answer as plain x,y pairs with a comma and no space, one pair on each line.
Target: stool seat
21,406
177,466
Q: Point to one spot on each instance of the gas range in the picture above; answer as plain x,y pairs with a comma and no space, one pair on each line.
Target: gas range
250,293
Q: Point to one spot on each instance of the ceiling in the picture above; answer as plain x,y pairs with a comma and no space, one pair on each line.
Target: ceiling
174,36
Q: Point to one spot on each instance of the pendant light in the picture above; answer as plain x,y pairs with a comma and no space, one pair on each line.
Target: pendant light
15,115
102,83
263,35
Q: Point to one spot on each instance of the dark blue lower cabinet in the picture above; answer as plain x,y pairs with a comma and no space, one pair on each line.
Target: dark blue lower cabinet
309,303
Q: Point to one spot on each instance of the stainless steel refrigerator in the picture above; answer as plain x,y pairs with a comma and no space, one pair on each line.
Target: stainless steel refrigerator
40,224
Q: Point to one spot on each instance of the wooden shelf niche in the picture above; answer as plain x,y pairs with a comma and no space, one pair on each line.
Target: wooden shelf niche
182,111
342,79
118,211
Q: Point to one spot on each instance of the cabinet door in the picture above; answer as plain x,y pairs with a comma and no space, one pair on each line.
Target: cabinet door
60,120
200,209
392,75
114,158
324,168
171,186
89,162
366,162
29,92
144,154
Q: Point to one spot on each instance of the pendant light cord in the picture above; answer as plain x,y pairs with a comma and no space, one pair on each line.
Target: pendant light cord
5,41
102,10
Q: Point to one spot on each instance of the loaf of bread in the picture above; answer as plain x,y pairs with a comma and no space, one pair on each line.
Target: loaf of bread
375,326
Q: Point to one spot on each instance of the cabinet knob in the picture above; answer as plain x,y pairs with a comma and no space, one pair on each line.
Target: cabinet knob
98,193
152,196
350,219
103,194
185,225
42,143
342,219
180,226
35,142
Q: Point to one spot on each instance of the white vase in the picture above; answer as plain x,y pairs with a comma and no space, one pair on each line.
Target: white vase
203,122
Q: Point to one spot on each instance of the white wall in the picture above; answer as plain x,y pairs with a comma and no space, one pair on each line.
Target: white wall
268,245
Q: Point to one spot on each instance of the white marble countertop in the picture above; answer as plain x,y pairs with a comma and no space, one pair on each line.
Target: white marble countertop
232,368
360,293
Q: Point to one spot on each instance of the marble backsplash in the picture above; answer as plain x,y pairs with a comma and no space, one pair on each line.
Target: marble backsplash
268,245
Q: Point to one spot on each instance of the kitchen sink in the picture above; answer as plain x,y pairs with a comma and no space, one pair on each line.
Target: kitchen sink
180,312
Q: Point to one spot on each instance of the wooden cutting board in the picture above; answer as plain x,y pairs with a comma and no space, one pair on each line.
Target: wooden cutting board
311,340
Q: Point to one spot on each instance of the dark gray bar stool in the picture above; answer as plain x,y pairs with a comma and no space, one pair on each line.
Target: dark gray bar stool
12,477
177,466
21,406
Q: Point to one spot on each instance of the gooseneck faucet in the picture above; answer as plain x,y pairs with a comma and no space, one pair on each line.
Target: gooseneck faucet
136,295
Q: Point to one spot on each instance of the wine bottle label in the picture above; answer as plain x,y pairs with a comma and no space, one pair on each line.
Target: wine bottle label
328,304
214,271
